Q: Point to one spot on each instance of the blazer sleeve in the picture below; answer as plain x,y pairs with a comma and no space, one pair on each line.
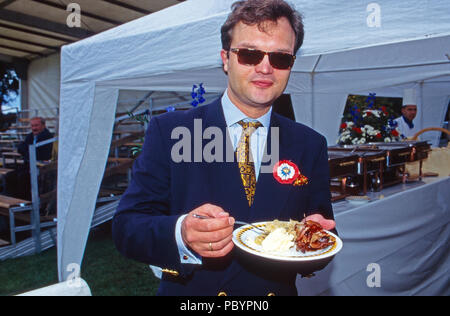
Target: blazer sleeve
320,198
319,202
144,226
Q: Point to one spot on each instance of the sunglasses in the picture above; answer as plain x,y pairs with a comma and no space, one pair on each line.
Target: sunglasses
253,57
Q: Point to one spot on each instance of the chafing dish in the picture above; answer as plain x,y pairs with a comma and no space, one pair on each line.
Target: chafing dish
342,164
371,163
400,153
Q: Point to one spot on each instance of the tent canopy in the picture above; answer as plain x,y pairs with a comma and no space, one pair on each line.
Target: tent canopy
350,48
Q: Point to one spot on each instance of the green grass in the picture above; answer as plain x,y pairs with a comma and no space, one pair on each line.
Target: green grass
105,270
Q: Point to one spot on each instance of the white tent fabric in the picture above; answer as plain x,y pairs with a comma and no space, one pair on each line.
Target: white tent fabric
175,48
43,86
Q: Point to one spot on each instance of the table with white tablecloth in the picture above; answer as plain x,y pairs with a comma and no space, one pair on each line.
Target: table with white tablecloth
398,244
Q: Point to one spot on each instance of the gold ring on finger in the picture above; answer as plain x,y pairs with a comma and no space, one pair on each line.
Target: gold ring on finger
210,247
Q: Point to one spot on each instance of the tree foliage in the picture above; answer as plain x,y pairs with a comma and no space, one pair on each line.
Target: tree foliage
9,85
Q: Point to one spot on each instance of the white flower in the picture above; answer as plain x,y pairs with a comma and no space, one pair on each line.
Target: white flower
373,112
387,140
285,171
376,113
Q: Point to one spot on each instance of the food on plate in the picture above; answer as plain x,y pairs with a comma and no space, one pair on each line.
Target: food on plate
310,236
281,236
279,240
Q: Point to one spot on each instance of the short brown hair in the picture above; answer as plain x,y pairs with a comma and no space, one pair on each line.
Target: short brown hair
255,12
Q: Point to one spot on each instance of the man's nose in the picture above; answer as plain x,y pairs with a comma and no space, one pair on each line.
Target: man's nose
264,66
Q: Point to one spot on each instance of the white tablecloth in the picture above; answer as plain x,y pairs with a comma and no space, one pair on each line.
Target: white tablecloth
405,234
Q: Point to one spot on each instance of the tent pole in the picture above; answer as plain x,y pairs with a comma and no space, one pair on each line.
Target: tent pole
142,101
385,67
150,113
421,104
312,100
313,97
35,214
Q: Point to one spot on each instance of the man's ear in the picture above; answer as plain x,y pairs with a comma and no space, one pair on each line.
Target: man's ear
224,55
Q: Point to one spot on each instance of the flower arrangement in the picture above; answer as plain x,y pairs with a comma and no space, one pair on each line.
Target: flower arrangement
366,123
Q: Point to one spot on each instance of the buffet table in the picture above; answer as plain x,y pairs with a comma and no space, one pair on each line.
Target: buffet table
397,244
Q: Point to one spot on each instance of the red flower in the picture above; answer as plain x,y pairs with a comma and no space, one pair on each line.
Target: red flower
343,125
394,133
384,109
357,129
379,135
368,113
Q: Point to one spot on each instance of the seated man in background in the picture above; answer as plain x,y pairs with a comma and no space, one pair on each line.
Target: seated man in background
38,134
18,181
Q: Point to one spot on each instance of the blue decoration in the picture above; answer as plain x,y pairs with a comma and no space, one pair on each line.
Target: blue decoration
197,95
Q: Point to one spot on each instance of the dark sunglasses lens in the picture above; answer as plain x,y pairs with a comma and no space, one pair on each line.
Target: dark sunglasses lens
250,57
281,60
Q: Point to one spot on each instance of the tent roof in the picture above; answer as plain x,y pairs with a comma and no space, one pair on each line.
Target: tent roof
187,36
35,28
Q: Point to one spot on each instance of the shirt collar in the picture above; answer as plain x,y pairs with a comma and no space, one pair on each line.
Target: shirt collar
233,114
408,122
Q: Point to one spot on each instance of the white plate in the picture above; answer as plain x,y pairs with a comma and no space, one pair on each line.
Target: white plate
358,200
244,237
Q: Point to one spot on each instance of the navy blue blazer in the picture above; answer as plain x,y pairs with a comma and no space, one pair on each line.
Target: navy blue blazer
43,152
161,190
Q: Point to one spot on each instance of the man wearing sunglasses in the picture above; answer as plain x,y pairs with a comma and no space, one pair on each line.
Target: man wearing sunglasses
181,216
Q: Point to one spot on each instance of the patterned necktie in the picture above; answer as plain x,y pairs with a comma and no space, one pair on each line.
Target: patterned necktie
245,161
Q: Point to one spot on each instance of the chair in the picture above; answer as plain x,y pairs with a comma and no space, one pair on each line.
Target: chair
438,161
14,208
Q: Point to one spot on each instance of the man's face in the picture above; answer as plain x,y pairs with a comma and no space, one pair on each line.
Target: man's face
409,112
254,88
37,127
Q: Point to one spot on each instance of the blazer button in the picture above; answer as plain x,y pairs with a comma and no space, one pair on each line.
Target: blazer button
222,294
271,294
171,272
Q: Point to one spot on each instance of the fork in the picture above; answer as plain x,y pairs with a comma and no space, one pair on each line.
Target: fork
236,222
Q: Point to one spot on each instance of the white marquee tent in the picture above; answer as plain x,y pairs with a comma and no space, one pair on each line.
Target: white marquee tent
350,48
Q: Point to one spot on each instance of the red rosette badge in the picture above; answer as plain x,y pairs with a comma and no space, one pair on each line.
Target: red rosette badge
286,172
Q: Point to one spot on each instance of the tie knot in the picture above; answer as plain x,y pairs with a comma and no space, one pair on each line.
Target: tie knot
250,125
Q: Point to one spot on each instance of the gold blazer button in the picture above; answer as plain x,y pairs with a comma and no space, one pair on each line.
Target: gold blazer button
271,294
171,272
222,294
